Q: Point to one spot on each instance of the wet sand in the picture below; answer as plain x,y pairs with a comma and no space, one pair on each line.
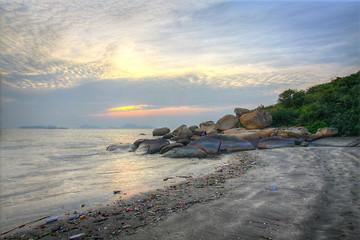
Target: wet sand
289,193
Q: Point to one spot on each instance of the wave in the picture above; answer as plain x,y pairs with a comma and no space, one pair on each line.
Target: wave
92,153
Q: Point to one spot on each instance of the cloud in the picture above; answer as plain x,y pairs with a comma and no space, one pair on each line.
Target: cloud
168,111
64,44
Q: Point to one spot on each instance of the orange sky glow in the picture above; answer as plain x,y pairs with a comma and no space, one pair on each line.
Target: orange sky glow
138,112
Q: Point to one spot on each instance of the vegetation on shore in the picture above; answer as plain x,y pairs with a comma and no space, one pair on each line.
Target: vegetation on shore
333,104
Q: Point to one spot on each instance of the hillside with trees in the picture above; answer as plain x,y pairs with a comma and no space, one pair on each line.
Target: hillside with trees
333,104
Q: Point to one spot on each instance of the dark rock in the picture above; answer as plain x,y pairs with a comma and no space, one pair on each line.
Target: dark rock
152,145
268,143
168,136
170,146
186,152
184,132
210,144
231,144
161,131
176,138
193,129
183,141
175,132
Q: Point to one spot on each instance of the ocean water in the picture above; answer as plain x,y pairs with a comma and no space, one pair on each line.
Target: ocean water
50,172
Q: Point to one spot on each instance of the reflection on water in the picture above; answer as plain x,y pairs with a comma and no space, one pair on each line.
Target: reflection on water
48,172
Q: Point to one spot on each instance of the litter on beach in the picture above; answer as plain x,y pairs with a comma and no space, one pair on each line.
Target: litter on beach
273,188
77,236
52,219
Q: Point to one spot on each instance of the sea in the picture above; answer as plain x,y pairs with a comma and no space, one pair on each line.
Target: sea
52,172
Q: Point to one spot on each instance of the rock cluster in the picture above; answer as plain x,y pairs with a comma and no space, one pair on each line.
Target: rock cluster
225,136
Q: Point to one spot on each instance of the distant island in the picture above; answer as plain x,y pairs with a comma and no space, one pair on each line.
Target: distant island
42,127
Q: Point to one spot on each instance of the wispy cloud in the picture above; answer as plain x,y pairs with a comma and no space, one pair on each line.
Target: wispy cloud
57,44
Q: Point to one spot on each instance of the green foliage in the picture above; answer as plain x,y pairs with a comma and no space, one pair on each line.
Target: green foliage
334,104
316,125
284,117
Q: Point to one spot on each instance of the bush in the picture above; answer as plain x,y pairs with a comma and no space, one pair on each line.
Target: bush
316,125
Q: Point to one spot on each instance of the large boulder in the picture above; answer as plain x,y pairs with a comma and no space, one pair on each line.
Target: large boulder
184,132
193,129
169,147
328,132
161,131
226,122
231,144
185,152
257,119
269,143
240,111
210,144
175,132
151,145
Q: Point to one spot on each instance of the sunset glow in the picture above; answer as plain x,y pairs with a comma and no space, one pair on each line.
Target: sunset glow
169,111
127,108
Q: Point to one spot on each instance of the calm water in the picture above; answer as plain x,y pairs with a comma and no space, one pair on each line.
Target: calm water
50,172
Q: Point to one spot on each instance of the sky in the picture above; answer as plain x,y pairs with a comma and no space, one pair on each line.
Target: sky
165,62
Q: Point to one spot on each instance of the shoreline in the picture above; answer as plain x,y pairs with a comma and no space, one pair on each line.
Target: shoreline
290,193
178,193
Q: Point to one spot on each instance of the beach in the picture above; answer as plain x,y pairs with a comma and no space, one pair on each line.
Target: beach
288,193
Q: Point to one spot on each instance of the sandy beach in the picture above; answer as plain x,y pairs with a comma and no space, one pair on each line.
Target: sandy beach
289,193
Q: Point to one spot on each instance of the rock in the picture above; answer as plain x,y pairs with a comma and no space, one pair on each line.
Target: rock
175,132
210,144
119,147
270,131
185,132
315,136
160,131
304,144
207,124
249,136
169,147
231,144
257,119
207,127
183,141
337,142
176,138
269,143
168,136
290,132
193,129
186,152
240,111
234,130
226,122
328,132
293,132
152,145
